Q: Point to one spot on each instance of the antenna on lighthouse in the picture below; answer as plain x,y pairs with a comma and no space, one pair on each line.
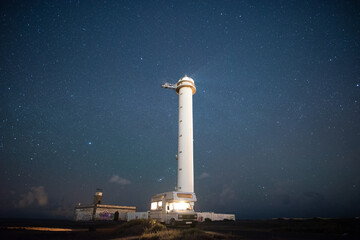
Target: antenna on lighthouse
185,88
169,85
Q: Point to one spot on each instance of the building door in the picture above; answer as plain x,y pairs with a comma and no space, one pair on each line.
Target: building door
116,216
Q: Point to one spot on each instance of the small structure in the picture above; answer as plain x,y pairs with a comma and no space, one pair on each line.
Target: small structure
98,211
211,216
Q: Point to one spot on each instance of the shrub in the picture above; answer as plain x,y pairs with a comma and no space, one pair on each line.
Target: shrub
188,234
157,227
162,235
139,226
193,234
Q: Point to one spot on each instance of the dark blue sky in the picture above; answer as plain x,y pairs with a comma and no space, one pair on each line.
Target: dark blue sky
276,113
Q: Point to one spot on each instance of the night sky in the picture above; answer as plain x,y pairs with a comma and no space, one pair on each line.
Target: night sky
276,112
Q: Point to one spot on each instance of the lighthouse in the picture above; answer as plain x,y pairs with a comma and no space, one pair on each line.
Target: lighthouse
177,207
185,88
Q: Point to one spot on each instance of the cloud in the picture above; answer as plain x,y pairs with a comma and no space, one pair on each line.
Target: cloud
314,196
119,180
36,195
227,195
63,211
204,175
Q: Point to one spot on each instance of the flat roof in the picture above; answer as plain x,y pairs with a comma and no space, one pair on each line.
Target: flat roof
106,206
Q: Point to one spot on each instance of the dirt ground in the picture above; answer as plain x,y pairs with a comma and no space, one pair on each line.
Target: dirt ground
240,229
288,229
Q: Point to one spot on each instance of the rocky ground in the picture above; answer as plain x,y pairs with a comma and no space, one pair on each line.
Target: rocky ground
241,229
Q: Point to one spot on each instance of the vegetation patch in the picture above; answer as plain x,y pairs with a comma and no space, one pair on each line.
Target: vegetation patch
172,234
148,229
138,227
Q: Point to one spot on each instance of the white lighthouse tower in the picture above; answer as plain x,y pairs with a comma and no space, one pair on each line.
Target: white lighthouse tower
185,88
177,207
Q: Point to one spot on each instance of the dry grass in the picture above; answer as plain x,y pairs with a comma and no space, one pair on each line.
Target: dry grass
138,227
148,229
172,234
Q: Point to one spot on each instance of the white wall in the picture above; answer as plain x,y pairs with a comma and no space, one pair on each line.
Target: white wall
83,214
214,216
137,215
109,213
